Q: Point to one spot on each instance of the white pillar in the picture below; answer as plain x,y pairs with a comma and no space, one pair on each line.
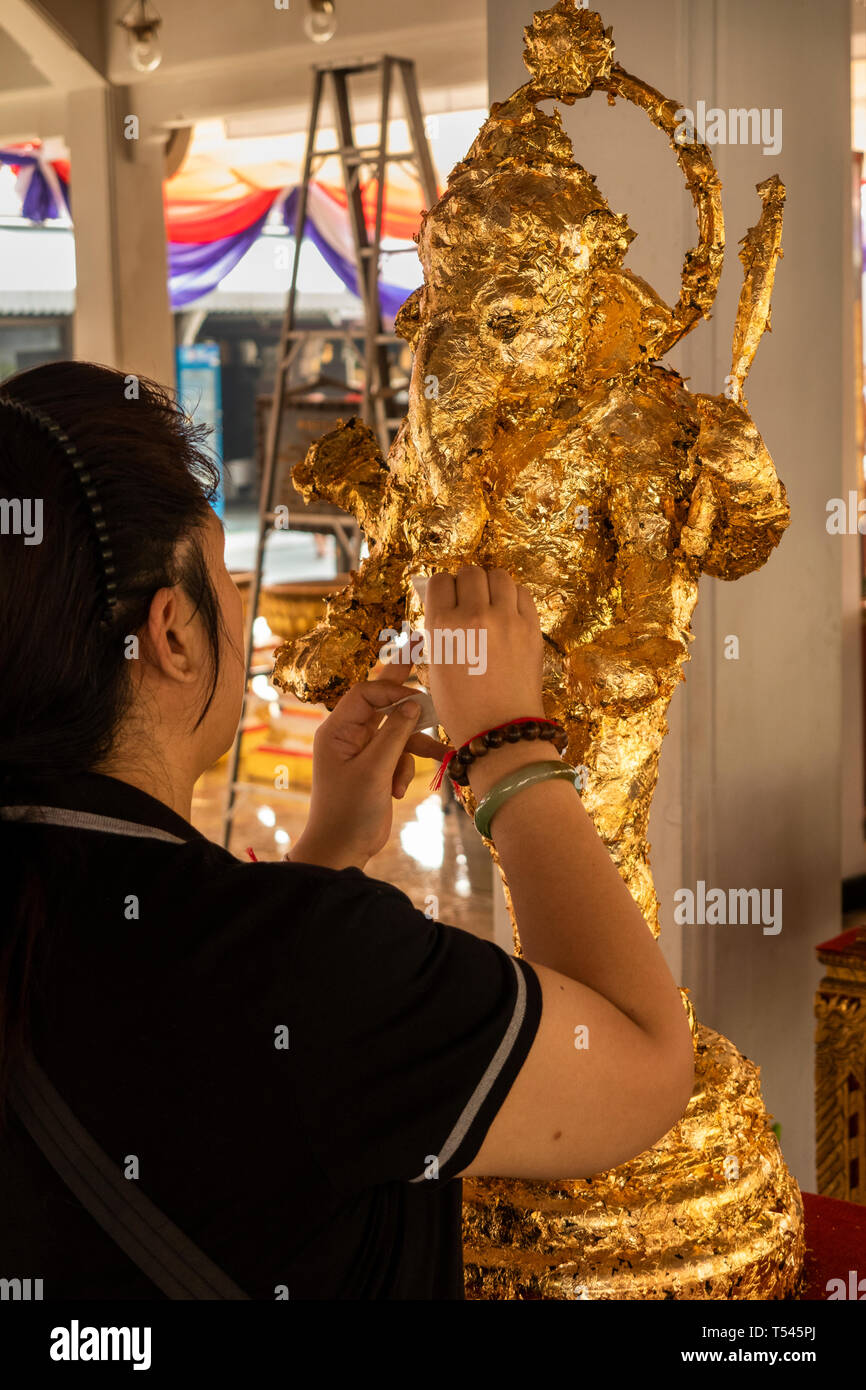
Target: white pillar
751,783
123,318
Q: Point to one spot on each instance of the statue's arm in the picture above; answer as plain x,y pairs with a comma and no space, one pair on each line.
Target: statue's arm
346,467
342,649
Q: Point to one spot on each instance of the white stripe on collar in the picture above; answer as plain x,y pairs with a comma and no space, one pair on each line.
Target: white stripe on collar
86,820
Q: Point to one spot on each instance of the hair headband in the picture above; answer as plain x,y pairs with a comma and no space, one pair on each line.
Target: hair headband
85,478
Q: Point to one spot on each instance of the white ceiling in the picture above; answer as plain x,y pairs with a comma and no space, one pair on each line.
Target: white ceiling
230,58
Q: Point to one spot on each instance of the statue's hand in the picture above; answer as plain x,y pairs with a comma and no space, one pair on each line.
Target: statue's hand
697,532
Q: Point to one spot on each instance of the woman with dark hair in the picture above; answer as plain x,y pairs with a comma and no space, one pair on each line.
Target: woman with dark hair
290,1061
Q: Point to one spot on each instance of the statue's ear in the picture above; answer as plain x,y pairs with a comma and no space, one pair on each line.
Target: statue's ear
631,315
407,324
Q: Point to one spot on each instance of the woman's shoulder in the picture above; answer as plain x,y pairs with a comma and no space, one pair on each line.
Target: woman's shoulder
282,890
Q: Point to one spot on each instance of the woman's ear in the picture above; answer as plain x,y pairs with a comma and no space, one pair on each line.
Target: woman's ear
172,640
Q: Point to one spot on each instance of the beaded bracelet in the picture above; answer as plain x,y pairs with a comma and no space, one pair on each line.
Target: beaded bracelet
527,727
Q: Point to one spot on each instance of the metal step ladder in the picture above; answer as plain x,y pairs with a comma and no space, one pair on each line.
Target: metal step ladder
370,345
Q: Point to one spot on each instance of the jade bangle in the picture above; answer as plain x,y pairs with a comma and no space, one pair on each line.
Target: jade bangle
515,782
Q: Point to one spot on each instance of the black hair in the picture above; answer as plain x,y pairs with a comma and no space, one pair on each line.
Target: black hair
64,674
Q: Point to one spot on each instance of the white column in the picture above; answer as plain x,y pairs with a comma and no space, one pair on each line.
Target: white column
123,318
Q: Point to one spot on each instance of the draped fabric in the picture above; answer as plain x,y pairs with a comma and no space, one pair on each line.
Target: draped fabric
41,184
202,220
196,267
199,259
327,225
214,214
212,221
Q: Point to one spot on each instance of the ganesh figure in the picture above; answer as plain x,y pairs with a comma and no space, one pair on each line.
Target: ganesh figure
544,435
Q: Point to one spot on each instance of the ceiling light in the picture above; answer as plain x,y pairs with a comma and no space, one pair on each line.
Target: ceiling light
141,23
320,21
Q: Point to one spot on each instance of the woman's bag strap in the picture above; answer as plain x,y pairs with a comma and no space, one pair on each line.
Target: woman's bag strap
159,1249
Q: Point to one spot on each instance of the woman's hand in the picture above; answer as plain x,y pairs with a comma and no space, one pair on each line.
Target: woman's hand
504,615
357,769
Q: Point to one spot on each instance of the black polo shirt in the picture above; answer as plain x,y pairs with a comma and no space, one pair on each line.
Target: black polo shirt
167,974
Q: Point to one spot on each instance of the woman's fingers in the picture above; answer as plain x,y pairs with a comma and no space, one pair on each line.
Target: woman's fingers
426,747
473,591
503,590
355,718
403,774
360,708
474,586
525,602
440,594
390,740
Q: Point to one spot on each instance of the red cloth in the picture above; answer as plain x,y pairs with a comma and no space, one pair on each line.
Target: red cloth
210,218
208,221
835,1245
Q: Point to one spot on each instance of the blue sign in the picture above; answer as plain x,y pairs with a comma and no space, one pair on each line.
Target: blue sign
199,386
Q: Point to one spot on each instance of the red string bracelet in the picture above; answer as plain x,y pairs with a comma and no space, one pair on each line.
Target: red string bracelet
524,719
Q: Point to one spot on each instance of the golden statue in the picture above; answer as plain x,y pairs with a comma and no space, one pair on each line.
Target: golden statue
544,435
